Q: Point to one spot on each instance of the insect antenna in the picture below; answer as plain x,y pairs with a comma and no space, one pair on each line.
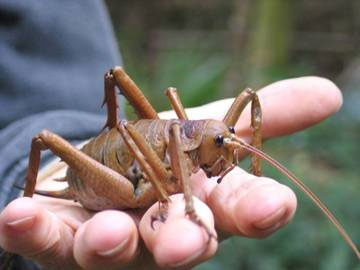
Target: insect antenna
239,143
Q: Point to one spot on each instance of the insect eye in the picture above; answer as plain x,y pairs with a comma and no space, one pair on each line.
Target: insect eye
219,140
232,129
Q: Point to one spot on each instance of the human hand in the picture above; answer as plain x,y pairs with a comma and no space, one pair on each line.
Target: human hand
61,234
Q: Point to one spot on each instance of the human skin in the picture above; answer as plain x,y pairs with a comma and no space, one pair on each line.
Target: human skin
60,234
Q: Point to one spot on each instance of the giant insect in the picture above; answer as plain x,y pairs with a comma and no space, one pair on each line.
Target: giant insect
132,164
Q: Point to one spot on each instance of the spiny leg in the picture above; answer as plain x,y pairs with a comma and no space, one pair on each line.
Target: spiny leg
38,145
233,115
110,101
181,171
133,94
85,167
150,163
33,166
175,102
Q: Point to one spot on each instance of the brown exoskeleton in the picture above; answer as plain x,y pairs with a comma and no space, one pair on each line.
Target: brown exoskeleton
132,164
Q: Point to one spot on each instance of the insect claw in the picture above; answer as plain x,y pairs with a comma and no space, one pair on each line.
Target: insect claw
153,219
160,217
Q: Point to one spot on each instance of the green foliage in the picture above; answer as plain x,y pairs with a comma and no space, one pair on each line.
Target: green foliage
197,76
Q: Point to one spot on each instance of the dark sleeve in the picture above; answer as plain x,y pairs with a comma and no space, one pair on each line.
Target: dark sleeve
53,55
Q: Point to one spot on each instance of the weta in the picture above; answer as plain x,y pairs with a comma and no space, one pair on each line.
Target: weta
132,164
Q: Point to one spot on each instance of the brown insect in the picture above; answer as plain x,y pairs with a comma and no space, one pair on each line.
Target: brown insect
132,164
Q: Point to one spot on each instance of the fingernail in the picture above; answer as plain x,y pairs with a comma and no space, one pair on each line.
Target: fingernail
271,220
187,260
113,251
21,224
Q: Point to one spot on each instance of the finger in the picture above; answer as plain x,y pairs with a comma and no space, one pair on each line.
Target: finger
292,105
27,229
288,106
252,206
179,242
107,241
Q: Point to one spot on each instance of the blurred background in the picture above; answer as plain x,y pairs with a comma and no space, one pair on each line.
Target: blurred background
212,49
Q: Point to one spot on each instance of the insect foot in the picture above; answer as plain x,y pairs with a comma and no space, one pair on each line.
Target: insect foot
161,215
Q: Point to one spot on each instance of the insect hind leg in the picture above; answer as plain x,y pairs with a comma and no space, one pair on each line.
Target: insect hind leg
133,94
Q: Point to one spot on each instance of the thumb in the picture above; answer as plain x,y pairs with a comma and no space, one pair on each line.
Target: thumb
27,229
